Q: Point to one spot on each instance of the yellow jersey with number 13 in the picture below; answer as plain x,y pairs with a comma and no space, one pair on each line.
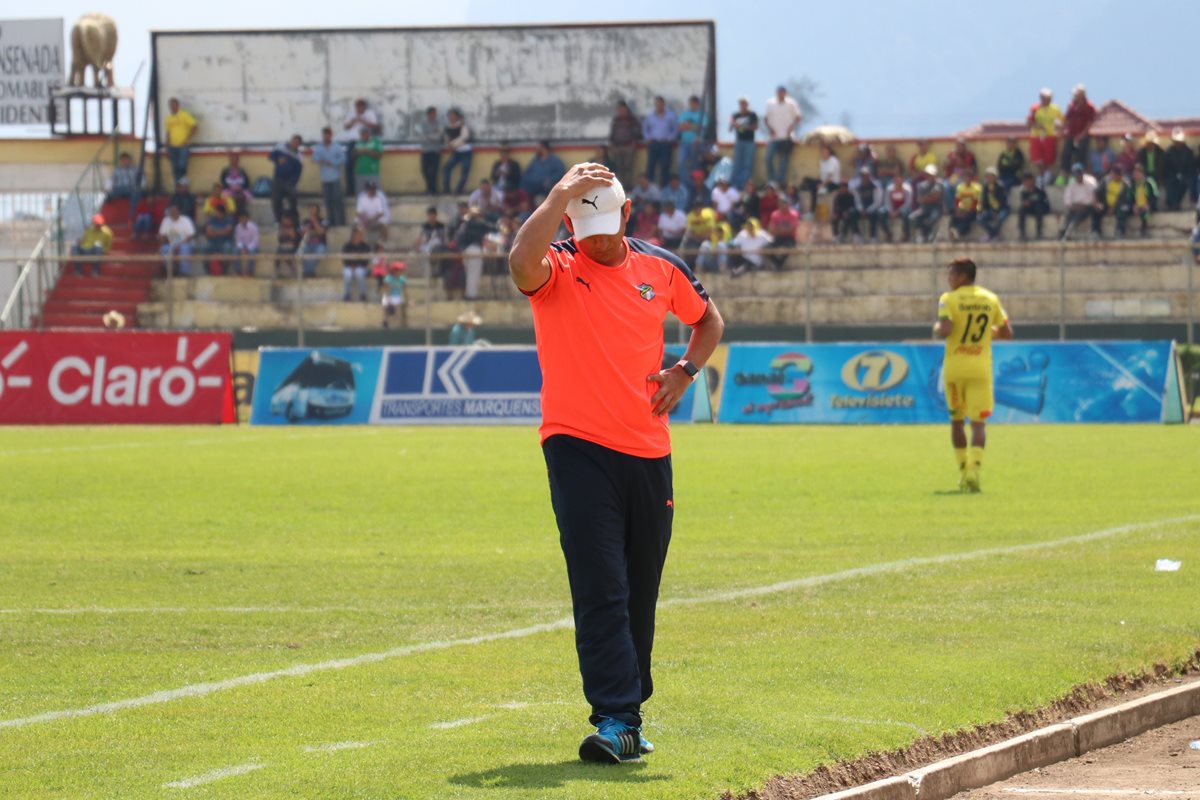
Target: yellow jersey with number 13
972,311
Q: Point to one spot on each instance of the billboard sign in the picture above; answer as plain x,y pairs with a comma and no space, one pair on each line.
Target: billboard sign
32,61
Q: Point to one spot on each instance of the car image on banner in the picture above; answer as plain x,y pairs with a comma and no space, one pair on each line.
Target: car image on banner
327,386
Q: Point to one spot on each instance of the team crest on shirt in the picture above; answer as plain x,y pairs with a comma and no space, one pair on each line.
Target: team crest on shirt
646,291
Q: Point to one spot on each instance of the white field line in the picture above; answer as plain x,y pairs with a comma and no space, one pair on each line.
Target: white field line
215,775
566,623
334,433
1106,792
334,747
457,723
118,610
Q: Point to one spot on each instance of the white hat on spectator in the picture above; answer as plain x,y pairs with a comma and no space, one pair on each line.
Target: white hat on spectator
1046,93
1079,89
1177,134
599,214
931,169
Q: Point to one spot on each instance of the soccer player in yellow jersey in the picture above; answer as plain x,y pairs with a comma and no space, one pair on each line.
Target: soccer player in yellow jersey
969,317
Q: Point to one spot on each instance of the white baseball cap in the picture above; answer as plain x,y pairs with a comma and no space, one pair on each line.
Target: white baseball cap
598,212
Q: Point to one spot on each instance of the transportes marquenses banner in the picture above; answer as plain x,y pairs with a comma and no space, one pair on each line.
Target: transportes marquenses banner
1123,381
412,385
113,378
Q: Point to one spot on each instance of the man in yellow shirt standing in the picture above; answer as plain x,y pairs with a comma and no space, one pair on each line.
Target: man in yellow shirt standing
181,127
969,317
1045,119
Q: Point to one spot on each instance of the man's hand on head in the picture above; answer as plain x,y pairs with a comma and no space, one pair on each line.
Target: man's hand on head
581,179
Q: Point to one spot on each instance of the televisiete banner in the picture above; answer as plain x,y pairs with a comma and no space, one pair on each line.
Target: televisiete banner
113,378
411,385
902,383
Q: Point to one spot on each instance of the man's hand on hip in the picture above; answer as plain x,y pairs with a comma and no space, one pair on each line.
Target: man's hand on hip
673,382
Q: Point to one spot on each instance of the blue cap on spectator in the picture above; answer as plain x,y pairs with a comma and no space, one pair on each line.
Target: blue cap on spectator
1077,167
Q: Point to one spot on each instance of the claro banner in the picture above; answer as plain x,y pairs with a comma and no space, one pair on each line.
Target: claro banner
413,386
106,378
902,383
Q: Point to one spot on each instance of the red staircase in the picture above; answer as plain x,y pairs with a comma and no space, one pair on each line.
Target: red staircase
81,301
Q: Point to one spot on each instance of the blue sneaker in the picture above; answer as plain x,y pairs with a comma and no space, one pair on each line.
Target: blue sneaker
614,742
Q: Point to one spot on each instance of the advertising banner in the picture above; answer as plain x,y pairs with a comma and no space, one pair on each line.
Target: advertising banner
414,386
31,63
107,378
902,383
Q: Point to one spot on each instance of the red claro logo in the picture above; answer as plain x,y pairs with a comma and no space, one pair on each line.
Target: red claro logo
75,380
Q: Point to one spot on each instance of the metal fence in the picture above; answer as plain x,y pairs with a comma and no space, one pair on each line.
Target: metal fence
34,280
873,287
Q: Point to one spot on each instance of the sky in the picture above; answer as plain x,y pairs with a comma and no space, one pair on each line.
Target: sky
890,67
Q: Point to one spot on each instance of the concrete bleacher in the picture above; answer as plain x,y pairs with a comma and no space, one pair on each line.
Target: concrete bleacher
866,284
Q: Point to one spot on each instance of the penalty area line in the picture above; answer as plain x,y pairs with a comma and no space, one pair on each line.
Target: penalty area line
566,623
215,775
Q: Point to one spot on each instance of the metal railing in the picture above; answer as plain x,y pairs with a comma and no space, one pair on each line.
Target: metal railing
34,281
813,287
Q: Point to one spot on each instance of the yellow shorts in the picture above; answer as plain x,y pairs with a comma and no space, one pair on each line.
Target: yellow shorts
969,398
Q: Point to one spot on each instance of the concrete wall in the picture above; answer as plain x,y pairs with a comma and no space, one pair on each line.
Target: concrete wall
529,83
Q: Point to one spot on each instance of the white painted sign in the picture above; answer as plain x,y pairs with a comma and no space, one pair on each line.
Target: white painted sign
520,83
32,60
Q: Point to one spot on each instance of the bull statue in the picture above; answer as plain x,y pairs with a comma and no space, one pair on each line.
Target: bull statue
93,43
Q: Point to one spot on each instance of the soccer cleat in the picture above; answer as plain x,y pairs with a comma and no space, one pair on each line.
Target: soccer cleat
614,742
970,480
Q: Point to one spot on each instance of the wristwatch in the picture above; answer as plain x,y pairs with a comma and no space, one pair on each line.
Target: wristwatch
690,369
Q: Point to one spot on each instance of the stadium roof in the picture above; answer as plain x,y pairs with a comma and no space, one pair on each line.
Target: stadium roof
1114,118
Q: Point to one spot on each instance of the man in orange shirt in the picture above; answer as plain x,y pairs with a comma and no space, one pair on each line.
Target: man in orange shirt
599,301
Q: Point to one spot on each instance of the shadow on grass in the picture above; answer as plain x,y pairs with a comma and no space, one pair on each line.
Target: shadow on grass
554,776
949,492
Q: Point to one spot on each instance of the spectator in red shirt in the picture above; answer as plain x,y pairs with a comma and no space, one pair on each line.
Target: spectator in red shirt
782,226
768,201
960,158
1076,124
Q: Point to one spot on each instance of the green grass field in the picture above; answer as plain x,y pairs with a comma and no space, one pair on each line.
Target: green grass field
140,561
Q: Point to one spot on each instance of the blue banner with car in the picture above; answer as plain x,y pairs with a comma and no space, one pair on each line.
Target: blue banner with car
413,385
1126,381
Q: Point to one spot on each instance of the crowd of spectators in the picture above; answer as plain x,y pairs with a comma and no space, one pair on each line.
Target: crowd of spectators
691,196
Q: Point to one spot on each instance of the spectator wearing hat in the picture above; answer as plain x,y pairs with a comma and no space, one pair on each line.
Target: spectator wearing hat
96,241
744,124
1045,122
429,134
716,165
1076,126
624,134
1079,200
372,213
993,204
782,118
660,129
245,245
542,172
462,333
330,158
288,166
456,143
1152,158
392,296
1033,203
177,234
928,204
692,123
506,172
1181,170
1010,164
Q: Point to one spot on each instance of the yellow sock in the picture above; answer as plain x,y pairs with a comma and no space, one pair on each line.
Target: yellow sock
976,457
960,455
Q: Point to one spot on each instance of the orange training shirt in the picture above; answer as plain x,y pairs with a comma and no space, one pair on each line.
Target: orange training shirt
600,336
